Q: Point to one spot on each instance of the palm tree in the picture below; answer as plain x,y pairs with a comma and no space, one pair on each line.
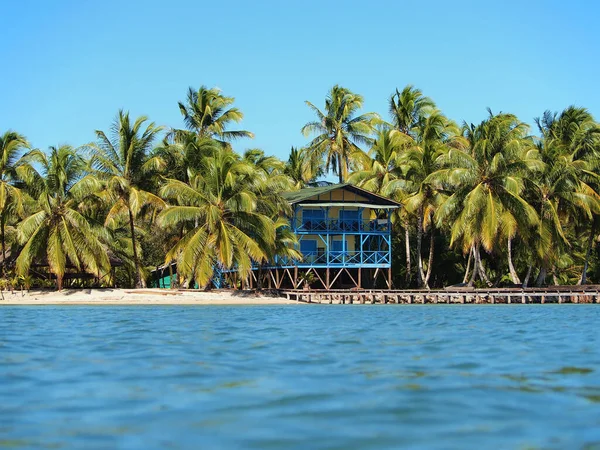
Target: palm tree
11,145
56,231
207,113
565,193
340,131
300,168
381,174
408,107
176,159
487,182
267,178
217,209
119,161
434,134
267,164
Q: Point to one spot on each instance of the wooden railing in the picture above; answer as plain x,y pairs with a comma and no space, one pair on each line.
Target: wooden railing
555,294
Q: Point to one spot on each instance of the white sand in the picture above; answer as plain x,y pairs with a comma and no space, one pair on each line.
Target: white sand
137,297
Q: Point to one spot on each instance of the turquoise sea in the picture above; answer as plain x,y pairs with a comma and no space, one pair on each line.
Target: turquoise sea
300,377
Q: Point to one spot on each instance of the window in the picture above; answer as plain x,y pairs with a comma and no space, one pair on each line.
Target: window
350,220
313,219
339,246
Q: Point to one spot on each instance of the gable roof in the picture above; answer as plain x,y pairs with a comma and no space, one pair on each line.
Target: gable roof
304,195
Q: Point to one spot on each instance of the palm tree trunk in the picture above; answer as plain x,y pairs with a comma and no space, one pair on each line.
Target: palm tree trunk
259,278
2,237
583,279
136,260
480,268
466,277
59,282
527,276
513,273
475,266
407,247
430,260
420,273
341,171
541,277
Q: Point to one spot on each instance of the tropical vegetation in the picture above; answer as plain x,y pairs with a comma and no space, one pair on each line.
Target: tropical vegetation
493,203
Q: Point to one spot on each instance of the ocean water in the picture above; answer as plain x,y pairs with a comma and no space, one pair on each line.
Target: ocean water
300,377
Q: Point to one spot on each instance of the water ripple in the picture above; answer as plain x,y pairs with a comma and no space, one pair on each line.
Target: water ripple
434,376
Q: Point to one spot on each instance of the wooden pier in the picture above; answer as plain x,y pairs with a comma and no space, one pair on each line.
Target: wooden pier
556,294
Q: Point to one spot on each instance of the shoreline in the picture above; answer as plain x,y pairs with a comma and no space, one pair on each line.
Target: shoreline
127,297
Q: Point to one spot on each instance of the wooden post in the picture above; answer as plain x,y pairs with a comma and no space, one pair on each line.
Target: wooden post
296,277
390,277
327,279
359,277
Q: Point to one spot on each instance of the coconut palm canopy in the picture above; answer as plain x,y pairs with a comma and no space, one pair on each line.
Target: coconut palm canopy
493,203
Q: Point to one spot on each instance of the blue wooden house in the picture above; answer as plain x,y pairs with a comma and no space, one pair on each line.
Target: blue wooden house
344,235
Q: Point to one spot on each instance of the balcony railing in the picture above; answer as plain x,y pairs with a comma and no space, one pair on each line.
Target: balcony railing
339,258
343,226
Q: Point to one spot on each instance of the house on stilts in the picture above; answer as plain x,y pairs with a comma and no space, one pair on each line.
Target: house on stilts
344,235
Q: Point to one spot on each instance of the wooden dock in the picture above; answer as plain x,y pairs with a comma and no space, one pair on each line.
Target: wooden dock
556,294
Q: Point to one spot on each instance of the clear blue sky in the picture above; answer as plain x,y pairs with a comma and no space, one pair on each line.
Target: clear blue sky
68,66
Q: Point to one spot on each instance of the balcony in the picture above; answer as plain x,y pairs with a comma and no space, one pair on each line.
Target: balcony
342,226
339,259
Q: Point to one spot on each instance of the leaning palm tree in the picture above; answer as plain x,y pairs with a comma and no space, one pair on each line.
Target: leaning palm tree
217,211
208,113
339,131
487,184
381,173
435,134
119,160
565,191
11,146
56,231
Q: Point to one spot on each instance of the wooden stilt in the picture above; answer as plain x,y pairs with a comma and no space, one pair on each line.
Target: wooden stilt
358,284
328,286
295,280
389,280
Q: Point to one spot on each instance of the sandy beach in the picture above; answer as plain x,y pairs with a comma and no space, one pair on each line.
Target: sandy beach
136,297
